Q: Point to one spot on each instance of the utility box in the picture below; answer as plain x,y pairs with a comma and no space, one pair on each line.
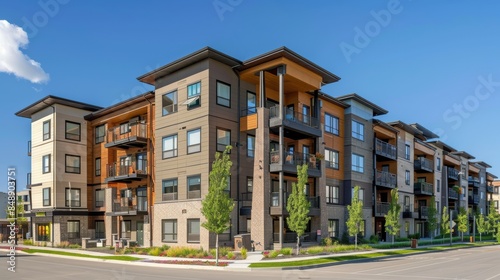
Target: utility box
414,243
242,241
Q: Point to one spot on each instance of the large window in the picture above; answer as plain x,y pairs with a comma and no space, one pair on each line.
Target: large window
407,177
169,103
358,130
72,197
223,94
169,146
194,186
142,199
126,229
100,133
332,194
99,198
72,164
42,232
438,164
98,166
73,131
169,230
46,196
46,130
193,230
169,187
332,159
251,103
250,146
73,229
100,232
46,164
407,151
194,141
333,228
358,163
193,92
223,139
331,124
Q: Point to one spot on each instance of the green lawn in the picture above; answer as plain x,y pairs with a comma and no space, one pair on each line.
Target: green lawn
62,253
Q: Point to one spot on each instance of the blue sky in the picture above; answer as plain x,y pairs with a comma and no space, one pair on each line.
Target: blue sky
435,63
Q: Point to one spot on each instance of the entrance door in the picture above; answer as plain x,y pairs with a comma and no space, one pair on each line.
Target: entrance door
140,233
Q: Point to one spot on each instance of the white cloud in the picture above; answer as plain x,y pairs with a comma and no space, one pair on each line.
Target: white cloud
13,60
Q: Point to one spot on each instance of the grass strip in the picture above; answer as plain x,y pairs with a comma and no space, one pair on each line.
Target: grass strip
62,253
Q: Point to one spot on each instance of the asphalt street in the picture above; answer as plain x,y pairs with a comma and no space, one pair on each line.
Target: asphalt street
472,263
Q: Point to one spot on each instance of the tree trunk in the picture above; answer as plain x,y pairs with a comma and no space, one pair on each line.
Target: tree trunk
356,241
216,249
392,239
298,244
480,238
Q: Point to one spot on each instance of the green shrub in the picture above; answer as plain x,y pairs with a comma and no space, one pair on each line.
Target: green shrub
111,247
28,242
74,246
243,253
327,241
401,239
223,251
274,253
498,233
345,238
155,251
315,250
286,251
374,239
64,244
183,252
230,255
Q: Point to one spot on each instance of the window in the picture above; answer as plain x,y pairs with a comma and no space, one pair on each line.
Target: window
169,146
100,133
169,103
72,164
438,185
333,228
46,164
72,197
495,204
223,94
438,163
100,232
407,206
306,111
73,131
142,199
407,151
331,124
46,130
249,184
332,159
223,139
358,163
332,194
250,146
99,198
46,196
169,230
358,130
194,141
169,187
125,128
249,225
361,195
407,177
194,92
251,103
43,232
194,186
98,166
73,229
126,229
193,230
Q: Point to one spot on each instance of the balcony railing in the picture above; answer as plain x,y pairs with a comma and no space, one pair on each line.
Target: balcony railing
313,201
423,188
381,209
423,212
385,179
132,135
407,211
452,173
248,111
474,182
423,165
474,199
130,205
452,194
294,116
385,149
291,160
490,189
136,170
29,148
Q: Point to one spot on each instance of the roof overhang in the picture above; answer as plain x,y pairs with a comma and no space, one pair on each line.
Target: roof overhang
113,108
50,100
463,154
377,110
426,132
408,128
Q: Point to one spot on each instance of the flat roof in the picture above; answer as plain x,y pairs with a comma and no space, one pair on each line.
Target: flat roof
120,105
377,110
51,100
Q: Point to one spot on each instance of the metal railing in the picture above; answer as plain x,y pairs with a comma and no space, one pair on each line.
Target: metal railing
295,159
134,129
452,194
423,164
407,210
385,149
474,199
452,173
385,179
382,208
474,181
423,212
136,167
423,188
248,111
294,116
125,204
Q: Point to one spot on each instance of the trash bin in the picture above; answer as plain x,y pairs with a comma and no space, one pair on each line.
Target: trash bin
472,239
414,243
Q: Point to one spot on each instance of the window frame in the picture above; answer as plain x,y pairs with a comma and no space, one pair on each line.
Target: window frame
46,199
99,234
359,132
66,164
197,103
97,167
175,103
407,177
73,234
188,140
250,148
100,138
174,186
334,225
175,231
188,186
190,231
175,145
357,168
79,125
46,135
221,147
328,162
332,194
68,194
335,124
251,110
100,203
46,169
249,184
218,82
407,151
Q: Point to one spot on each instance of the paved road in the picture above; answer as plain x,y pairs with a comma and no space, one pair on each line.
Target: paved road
474,263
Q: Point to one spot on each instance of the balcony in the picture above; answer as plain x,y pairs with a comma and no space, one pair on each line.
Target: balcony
423,188
134,171
474,182
423,212
452,194
452,173
385,149
386,179
127,136
276,209
490,189
298,125
423,165
29,148
474,199
381,209
408,211
290,161
127,206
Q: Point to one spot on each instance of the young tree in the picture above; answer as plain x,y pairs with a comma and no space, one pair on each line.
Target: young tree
462,221
217,204
493,218
298,205
482,225
355,210
432,217
392,225
445,222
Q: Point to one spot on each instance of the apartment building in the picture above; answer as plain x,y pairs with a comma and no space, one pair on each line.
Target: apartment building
58,180
494,194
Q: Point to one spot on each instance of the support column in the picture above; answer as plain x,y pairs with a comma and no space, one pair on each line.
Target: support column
281,73
262,89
